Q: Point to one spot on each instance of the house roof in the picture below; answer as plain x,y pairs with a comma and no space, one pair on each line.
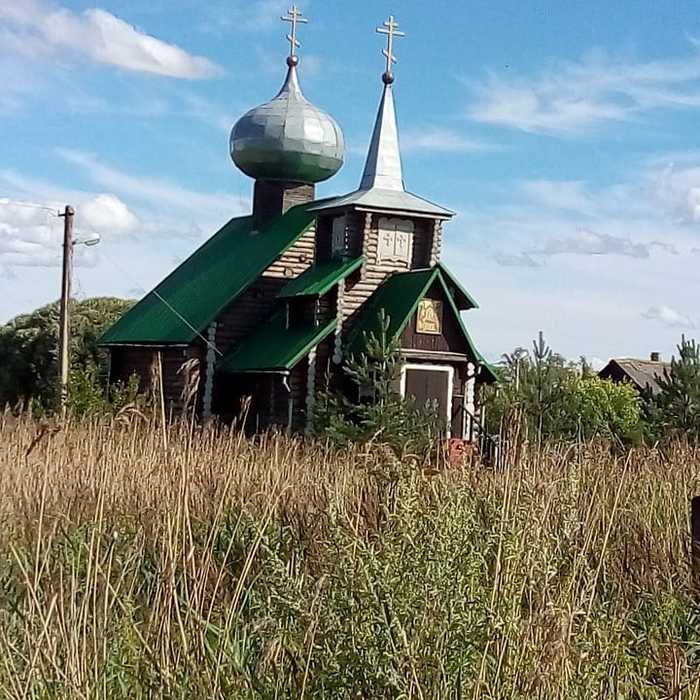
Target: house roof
273,347
644,374
196,292
317,280
398,296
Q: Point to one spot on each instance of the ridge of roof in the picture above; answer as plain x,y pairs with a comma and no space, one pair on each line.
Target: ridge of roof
653,363
184,303
644,374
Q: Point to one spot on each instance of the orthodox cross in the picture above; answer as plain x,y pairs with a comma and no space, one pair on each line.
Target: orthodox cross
294,17
391,29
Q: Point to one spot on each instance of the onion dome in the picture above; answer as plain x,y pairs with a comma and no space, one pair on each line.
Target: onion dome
288,138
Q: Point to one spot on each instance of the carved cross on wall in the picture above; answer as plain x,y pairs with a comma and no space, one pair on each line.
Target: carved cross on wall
294,17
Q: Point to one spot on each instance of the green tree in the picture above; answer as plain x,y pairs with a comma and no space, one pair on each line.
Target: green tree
675,411
534,383
601,408
375,408
29,348
559,399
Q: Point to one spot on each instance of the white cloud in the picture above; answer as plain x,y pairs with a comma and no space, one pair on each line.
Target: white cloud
575,97
43,30
516,260
575,260
159,192
141,235
31,234
639,218
106,212
668,316
592,243
440,140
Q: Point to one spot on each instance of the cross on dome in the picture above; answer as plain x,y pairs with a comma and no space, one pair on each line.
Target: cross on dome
391,29
294,17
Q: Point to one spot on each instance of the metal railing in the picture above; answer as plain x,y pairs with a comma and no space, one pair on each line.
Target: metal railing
489,445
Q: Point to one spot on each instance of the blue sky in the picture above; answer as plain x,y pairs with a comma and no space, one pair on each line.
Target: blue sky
564,135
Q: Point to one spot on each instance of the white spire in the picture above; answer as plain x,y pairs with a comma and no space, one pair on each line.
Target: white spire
383,165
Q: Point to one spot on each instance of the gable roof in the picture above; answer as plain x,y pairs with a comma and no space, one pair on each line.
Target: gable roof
317,280
398,296
273,347
644,374
197,291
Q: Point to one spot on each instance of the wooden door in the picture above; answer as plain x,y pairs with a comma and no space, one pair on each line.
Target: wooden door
429,386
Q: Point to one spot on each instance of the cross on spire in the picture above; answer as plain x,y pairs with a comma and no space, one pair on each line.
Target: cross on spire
391,29
294,17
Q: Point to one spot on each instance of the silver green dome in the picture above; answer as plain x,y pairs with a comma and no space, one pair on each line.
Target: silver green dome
288,138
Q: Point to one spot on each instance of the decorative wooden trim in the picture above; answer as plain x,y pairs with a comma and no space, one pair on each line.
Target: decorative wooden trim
436,243
441,355
338,344
209,371
310,387
469,402
366,239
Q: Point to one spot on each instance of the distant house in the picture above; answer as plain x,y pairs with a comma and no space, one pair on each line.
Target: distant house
644,375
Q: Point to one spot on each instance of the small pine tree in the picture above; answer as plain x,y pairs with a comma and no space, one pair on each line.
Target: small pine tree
377,411
675,411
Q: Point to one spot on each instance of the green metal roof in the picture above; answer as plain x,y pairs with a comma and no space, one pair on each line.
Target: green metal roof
398,296
317,280
273,347
196,292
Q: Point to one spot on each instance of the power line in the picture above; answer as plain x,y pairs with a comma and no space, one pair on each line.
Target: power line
167,304
6,201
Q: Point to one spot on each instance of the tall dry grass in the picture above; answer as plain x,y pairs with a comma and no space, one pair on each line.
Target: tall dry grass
196,563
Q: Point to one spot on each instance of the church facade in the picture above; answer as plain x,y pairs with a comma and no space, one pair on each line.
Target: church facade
266,311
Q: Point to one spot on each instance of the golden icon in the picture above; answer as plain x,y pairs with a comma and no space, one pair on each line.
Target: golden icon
429,316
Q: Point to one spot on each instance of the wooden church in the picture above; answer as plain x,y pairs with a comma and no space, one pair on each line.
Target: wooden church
273,302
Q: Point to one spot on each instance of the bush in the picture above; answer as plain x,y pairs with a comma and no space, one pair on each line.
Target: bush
88,396
602,408
29,349
562,400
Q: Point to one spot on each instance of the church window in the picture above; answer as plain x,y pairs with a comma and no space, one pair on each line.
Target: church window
339,239
395,239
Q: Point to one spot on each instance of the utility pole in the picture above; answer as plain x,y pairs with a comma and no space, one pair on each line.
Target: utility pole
64,331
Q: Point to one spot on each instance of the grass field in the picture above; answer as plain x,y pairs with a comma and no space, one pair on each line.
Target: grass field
137,562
